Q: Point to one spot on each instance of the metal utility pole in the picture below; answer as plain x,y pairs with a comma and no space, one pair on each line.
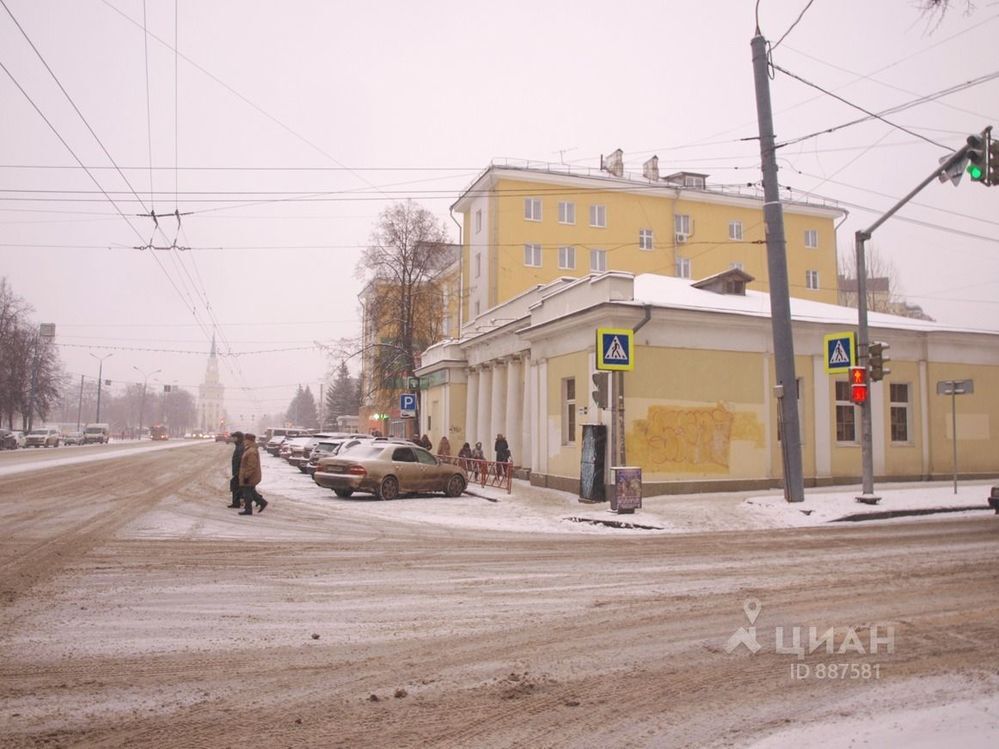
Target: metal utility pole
780,301
142,400
100,374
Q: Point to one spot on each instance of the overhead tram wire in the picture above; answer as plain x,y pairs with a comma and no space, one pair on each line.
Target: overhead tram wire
791,27
880,115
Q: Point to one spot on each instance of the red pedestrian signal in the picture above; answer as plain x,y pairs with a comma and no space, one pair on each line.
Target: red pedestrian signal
858,385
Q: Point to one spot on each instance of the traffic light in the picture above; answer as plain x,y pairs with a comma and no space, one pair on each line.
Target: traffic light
858,385
601,383
993,172
978,156
876,360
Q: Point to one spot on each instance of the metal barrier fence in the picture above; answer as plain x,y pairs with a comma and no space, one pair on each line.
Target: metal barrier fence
484,472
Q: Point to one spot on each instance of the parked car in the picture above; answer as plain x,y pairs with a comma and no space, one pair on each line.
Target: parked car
45,437
296,450
332,446
387,468
9,440
73,438
274,444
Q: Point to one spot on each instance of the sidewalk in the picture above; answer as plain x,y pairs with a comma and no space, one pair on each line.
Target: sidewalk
696,513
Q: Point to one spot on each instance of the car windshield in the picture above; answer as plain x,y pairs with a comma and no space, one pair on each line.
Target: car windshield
38,432
94,430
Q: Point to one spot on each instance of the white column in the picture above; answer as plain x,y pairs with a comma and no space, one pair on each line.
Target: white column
526,416
498,421
472,406
483,430
876,395
515,410
823,425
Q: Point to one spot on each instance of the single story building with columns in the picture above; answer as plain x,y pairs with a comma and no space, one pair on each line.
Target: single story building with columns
699,412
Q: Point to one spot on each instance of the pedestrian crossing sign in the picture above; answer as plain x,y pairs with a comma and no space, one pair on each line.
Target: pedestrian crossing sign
615,349
841,352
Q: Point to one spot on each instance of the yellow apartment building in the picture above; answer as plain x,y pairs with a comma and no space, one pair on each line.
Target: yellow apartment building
527,225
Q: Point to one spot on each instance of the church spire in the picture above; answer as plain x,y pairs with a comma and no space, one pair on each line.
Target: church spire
213,345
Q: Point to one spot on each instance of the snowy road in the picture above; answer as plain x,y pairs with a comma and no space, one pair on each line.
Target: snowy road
138,610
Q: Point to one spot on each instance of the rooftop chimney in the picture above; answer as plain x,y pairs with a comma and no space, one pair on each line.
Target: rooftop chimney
613,164
650,169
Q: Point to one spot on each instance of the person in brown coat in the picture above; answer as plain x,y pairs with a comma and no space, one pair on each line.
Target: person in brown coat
250,475
444,448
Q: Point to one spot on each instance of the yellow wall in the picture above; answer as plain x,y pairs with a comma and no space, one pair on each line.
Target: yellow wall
687,417
563,460
901,459
977,419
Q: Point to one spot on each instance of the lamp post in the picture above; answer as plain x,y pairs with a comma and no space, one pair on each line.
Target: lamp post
100,375
142,401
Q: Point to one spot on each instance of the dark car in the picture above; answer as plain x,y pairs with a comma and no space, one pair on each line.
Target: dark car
388,468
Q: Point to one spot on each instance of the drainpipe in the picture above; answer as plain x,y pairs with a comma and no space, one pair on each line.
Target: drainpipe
618,423
461,269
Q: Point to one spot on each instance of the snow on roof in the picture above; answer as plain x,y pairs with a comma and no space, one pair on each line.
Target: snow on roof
679,293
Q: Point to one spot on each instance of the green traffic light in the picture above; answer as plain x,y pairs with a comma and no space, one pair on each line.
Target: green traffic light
975,171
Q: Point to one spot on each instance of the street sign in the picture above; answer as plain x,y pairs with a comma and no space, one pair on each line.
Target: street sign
955,387
414,383
407,405
615,349
840,352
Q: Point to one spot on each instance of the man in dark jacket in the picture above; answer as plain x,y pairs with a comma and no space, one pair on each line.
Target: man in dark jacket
237,454
250,475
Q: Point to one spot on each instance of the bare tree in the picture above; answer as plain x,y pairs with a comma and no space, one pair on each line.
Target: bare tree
884,292
403,301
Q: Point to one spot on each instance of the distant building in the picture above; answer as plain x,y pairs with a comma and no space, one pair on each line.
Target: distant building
880,298
211,397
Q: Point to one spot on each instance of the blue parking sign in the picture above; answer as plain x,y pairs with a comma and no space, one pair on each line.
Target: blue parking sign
407,404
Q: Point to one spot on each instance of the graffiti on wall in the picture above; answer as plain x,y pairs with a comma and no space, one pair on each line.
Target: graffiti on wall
690,439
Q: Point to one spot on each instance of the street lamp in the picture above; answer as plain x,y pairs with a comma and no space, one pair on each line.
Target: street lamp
142,401
100,374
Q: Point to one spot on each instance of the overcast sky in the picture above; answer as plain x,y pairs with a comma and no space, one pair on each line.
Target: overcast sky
292,124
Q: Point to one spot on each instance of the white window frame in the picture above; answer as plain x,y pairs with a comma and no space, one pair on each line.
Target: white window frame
532,209
598,261
897,406
812,280
812,239
844,406
735,231
598,216
478,265
532,255
683,267
682,224
566,212
645,239
569,411
478,220
567,257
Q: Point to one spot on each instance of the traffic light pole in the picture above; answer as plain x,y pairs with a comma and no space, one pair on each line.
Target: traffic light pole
863,337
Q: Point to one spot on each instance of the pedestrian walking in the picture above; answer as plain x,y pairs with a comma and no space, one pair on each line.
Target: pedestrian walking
477,460
250,475
444,448
237,456
502,449
425,442
465,456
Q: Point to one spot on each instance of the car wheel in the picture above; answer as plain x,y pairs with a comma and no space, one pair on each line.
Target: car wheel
389,488
455,486
343,492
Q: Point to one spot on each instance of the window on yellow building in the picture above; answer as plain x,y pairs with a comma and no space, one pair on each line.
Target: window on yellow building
567,258
735,230
683,226
811,239
478,221
532,255
566,212
568,410
645,239
478,265
899,414
532,209
812,280
598,261
683,267
846,416
598,216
